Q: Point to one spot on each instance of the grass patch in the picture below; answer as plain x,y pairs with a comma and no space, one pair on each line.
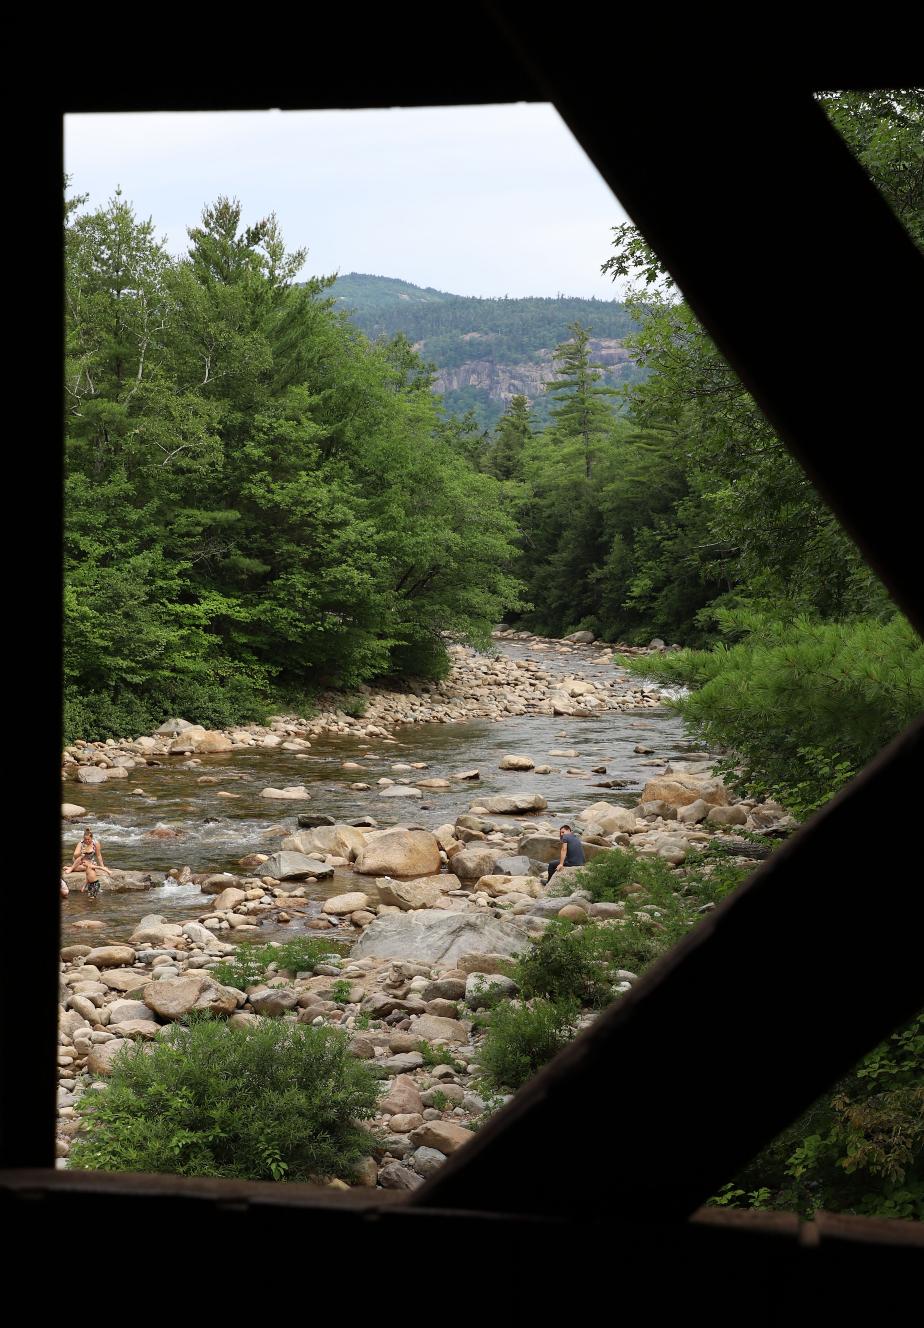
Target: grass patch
249,962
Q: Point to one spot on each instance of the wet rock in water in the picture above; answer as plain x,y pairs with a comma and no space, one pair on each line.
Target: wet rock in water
286,866
295,793
156,933
229,898
513,803
91,774
400,791
213,741
311,820
514,762
400,853
70,811
88,924
338,840
467,774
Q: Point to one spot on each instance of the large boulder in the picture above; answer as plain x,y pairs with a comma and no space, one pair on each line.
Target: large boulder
121,1011
91,774
434,1028
71,811
727,816
342,841
213,741
510,804
422,892
171,727
156,933
294,867
229,898
400,791
400,853
546,848
477,860
172,998
124,979
403,1095
187,740
437,937
445,1136
352,902
111,956
294,793
99,1061
678,790
514,762
609,818
512,864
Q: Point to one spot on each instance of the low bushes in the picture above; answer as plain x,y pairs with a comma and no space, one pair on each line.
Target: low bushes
249,962
522,1038
274,1101
799,705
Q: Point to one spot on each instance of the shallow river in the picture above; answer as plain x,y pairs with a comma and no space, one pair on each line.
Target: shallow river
210,833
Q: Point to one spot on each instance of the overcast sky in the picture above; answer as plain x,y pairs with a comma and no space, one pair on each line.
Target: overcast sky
477,200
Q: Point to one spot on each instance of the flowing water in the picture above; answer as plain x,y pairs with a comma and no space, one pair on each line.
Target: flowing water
179,821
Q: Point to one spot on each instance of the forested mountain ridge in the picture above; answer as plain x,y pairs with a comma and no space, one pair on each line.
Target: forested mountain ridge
487,351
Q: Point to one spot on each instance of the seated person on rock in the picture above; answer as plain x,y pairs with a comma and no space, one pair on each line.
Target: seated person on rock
88,858
572,851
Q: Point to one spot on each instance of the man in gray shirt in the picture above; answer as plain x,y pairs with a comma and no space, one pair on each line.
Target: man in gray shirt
572,851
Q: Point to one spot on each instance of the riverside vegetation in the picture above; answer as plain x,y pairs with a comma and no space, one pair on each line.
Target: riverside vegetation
262,503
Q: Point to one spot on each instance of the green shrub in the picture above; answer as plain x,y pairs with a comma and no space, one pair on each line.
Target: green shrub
249,962
438,1056
522,1038
801,705
858,1149
355,706
609,873
274,1101
567,963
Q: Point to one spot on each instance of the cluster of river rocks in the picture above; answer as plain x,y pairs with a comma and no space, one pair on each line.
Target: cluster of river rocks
435,917
432,919
478,687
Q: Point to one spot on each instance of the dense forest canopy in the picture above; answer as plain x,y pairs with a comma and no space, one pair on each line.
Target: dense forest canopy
258,499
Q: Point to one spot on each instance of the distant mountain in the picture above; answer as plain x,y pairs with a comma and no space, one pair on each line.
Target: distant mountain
487,350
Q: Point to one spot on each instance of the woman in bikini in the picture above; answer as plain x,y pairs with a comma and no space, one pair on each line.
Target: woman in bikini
88,858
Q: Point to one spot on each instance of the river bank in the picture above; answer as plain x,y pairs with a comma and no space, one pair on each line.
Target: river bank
421,904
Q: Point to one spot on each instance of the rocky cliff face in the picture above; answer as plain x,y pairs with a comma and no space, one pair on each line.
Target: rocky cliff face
528,378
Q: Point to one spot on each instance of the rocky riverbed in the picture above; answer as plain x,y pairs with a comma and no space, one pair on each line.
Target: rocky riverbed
424,910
